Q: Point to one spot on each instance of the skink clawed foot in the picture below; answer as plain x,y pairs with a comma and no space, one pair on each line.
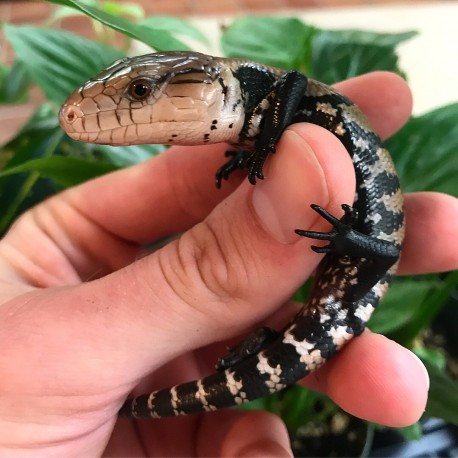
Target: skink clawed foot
347,242
237,161
253,161
250,345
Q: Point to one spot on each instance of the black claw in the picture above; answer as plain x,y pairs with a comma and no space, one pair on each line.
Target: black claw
315,235
302,232
351,215
326,215
338,236
219,177
322,249
348,243
252,178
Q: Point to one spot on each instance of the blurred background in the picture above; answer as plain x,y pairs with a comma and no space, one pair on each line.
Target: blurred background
427,60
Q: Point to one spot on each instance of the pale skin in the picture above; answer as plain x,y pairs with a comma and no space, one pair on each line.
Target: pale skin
87,317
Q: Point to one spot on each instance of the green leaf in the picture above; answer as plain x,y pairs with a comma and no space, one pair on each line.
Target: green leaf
58,61
411,433
429,308
62,13
302,293
33,139
425,151
329,56
124,156
41,138
283,42
443,395
433,357
175,26
14,83
411,304
38,139
66,171
123,9
370,38
298,404
157,39
400,304
338,55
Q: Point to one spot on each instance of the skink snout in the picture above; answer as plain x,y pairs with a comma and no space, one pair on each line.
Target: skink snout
68,115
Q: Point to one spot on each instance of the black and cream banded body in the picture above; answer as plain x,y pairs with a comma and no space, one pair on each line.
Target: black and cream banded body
190,98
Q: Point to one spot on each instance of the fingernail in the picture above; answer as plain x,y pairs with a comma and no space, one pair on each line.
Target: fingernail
293,180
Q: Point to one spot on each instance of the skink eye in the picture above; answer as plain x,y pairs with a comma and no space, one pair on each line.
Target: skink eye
140,89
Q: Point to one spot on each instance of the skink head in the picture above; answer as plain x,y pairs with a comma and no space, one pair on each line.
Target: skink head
173,97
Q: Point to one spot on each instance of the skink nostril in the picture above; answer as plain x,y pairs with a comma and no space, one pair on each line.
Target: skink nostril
69,113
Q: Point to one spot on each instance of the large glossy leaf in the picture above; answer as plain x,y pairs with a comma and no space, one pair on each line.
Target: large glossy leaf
425,151
175,26
64,170
411,304
429,308
283,42
400,304
366,37
124,156
338,55
38,139
124,9
443,395
117,156
58,61
14,83
158,39
432,356
299,404
411,433
329,56
116,8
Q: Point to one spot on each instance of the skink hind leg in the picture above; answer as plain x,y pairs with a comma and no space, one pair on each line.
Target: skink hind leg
345,243
250,345
340,237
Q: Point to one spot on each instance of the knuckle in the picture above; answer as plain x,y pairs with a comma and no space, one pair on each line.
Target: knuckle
206,265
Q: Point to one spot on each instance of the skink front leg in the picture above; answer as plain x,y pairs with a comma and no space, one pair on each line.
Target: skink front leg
282,103
277,110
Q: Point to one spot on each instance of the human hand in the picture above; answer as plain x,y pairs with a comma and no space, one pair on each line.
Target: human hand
85,318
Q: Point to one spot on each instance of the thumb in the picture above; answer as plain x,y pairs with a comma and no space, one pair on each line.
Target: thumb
235,267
